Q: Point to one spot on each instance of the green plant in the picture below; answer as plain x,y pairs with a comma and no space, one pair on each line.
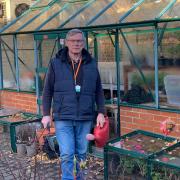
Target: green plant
172,51
142,165
125,166
164,173
150,80
26,134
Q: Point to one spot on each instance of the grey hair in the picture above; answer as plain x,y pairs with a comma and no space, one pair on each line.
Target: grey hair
73,32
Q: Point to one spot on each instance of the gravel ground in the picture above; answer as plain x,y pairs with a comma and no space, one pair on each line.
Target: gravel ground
39,167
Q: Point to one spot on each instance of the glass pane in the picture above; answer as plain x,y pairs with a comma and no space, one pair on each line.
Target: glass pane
38,21
49,48
9,74
26,62
42,3
169,63
63,16
113,14
107,65
173,12
88,13
138,67
46,50
22,21
91,44
147,10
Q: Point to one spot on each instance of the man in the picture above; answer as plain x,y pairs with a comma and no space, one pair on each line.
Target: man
74,85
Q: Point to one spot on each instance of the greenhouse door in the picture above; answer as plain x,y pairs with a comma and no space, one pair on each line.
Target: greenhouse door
45,48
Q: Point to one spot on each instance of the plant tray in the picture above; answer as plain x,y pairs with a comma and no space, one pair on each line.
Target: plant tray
140,143
169,157
127,157
8,112
20,117
166,164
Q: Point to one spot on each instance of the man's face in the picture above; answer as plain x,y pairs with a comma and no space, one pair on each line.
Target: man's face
75,43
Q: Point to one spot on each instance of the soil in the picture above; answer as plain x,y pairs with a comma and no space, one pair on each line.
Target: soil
171,157
18,117
175,152
142,144
8,112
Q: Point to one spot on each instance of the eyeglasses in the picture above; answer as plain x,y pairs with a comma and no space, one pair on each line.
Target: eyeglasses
76,41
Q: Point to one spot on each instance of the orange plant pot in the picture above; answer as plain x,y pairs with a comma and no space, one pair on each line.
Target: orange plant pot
41,133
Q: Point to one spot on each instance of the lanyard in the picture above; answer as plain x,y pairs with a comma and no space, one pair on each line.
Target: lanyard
77,71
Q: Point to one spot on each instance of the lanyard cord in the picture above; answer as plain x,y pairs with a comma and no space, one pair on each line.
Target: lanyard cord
77,71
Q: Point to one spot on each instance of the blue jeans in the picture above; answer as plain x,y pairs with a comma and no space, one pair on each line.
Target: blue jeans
71,137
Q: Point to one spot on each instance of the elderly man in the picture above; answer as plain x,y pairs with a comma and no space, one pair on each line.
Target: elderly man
73,84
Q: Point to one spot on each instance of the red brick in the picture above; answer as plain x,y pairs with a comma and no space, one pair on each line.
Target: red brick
146,128
126,108
146,116
168,114
125,131
154,123
137,110
123,112
126,119
133,114
139,121
160,118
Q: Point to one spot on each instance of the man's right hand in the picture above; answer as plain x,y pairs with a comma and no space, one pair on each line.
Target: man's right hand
46,120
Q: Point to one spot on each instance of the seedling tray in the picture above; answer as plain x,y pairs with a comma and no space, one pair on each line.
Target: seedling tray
166,164
16,119
8,112
19,117
169,157
140,143
128,156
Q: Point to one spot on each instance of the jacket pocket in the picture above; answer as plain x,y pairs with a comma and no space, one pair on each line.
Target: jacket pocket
57,103
68,105
86,105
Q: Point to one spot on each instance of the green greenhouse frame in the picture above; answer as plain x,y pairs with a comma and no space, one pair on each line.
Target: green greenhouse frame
109,17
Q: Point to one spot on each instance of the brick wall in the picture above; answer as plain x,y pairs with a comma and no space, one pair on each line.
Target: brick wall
131,118
148,120
22,101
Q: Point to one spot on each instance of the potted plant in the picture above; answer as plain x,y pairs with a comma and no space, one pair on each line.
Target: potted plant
31,141
26,140
21,140
136,79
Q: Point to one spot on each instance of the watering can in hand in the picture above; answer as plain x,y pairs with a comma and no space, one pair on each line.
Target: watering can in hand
100,134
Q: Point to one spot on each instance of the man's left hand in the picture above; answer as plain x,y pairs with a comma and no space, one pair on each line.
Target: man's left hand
100,120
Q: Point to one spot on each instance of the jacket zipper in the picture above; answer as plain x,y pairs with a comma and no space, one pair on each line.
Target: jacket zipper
77,113
77,99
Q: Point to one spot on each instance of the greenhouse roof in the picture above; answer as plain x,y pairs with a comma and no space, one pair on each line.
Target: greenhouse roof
60,14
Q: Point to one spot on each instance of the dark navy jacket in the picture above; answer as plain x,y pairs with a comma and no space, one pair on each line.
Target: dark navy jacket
59,86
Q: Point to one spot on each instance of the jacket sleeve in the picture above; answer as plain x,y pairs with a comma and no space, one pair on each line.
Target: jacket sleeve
48,90
99,97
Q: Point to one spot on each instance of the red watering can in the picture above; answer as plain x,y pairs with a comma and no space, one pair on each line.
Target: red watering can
100,134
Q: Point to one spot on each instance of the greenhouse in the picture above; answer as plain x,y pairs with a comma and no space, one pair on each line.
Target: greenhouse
136,44
136,41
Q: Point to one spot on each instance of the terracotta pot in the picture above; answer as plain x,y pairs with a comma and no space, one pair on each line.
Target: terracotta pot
41,133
